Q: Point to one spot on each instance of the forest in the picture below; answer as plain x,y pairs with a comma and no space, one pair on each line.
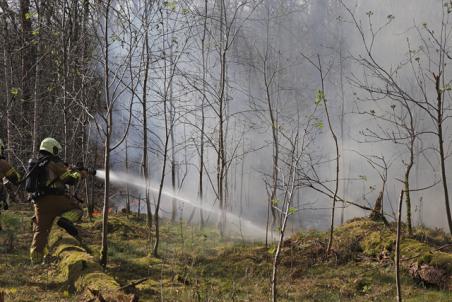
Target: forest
241,150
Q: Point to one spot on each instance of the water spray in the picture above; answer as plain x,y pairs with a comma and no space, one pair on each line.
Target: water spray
249,229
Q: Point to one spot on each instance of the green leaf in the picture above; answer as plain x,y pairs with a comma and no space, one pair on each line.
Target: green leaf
319,124
363,177
14,91
446,88
272,250
275,202
28,16
319,97
185,11
171,5
292,211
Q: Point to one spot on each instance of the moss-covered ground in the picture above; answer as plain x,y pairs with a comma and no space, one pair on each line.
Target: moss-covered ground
197,265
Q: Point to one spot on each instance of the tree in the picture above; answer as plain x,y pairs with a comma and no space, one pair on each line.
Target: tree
113,89
389,85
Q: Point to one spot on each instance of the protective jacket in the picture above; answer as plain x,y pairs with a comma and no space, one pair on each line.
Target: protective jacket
8,171
52,203
57,175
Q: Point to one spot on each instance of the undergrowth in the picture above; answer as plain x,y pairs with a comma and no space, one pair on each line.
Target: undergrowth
197,265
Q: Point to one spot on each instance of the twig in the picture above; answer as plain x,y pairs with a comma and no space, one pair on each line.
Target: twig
134,283
97,294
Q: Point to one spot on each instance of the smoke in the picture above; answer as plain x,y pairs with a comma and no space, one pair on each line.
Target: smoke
278,37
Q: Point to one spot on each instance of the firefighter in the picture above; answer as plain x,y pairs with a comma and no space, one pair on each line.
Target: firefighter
50,198
8,172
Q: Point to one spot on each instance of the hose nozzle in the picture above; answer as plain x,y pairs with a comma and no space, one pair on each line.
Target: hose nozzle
91,171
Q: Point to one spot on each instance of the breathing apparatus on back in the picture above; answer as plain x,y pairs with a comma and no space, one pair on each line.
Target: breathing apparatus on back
37,178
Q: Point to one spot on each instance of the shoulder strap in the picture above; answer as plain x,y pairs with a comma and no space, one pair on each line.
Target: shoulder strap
42,162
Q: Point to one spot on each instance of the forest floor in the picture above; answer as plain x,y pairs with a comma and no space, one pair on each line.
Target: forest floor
197,265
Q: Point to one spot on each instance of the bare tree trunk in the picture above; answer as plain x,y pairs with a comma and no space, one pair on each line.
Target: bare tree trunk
221,160
203,119
91,202
7,74
174,166
36,94
275,142
127,184
147,55
64,80
86,144
286,212
268,79
336,144
167,138
341,64
407,187
162,178
104,248
442,154
26,55
157,206
109,120
397,255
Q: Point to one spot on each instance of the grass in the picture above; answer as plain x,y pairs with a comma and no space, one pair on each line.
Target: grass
197,265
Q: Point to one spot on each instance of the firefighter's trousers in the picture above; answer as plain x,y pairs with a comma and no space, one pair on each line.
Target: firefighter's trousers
47,208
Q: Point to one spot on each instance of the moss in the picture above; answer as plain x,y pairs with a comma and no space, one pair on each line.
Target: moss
412,248
146,261
78,268
97,281
377,242
436,236
75,263
152,287
423,254
442,260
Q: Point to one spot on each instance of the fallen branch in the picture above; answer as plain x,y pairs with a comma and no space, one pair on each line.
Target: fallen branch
131,285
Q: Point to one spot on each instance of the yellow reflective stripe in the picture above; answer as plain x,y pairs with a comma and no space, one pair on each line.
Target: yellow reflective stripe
73,174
